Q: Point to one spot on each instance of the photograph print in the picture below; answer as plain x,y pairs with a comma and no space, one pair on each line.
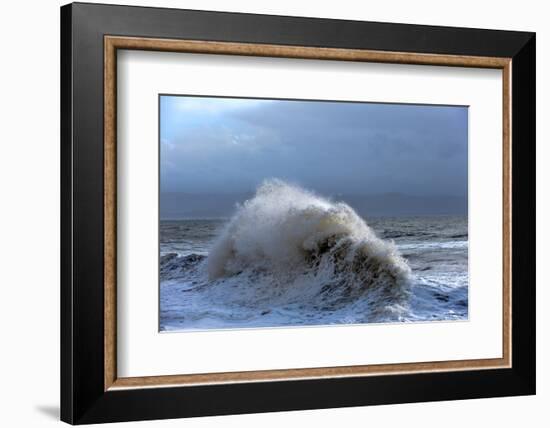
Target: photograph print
294,213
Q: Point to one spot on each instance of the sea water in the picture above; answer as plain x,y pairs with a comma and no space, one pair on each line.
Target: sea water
289,257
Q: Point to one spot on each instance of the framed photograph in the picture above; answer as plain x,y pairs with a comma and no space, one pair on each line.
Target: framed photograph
265,213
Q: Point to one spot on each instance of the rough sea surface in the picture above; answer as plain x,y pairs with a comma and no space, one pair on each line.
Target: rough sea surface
291,258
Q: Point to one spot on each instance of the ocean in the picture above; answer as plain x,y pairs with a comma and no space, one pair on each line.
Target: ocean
289,257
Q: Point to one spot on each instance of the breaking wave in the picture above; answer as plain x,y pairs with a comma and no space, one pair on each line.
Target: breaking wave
289,249
287,230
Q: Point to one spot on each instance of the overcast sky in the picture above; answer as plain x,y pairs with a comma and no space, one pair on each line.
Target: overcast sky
229,145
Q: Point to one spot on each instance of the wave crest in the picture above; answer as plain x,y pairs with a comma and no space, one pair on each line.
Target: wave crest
288,232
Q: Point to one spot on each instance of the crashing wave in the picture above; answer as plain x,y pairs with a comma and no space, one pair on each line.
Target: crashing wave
297,242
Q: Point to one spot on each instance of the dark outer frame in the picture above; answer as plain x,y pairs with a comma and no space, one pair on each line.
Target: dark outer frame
83,397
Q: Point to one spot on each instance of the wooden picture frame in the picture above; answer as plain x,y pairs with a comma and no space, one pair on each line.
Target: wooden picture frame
91,390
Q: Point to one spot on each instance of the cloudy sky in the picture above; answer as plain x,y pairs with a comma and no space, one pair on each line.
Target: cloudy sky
229,145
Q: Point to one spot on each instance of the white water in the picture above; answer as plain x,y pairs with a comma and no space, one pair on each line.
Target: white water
287,231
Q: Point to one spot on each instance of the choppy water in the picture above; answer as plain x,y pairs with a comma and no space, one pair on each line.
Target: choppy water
294,259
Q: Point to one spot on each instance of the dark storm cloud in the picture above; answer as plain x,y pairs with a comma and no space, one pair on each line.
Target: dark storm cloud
213,145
